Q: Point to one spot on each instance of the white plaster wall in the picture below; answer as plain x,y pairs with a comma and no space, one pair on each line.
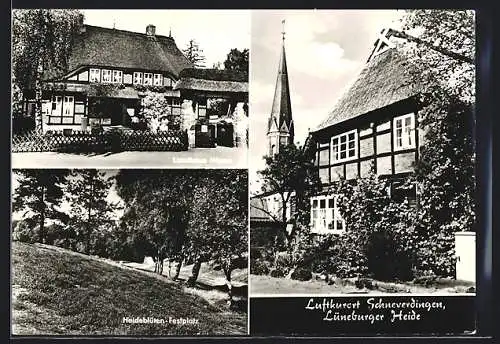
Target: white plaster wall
465,250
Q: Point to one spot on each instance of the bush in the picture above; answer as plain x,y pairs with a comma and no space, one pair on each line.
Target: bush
278,273
301,274
259,267
386,260
25,233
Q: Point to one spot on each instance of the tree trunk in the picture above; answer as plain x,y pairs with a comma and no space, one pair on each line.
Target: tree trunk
227,273
195,272
89,229
38,96
42,217
178,269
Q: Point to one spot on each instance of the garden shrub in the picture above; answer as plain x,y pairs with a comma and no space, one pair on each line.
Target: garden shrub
25,232
301,274
277,272
259,267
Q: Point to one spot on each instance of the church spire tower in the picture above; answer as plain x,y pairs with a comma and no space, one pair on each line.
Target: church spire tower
280,131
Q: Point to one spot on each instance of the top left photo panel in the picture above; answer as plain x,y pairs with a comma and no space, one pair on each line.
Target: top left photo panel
130,88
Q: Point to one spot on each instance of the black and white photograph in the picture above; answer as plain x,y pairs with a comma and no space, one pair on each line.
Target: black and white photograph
130,88
362,153
129,252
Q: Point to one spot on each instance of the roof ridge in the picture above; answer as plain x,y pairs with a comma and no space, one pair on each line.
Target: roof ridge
135,33
339,107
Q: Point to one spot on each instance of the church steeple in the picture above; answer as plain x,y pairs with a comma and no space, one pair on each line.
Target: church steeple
280,130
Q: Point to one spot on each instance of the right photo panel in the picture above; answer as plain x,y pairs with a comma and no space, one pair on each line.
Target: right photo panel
362,177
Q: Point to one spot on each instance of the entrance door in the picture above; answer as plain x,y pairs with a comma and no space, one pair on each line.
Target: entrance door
225,134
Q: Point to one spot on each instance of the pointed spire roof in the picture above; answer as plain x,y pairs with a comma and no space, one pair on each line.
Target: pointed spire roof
282,108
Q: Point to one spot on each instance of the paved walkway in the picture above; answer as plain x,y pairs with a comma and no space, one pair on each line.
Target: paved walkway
219,157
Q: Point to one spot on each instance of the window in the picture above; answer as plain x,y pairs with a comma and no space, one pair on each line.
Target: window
95,75
148,78
117,76
68,106
106,75
56,105
137,78
283,140
345,146
157,80
63,109
325,215
404,131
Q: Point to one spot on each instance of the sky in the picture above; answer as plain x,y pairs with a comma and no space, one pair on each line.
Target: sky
65,206
216,31
325,51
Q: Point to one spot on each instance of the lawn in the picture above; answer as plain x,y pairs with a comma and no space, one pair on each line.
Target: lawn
260,285
58,292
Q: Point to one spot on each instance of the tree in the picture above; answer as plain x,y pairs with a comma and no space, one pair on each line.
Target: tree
218,225
42,43
90,210
445,169
287,173
237,60
155,110
38,196
157,208
194,54
443,43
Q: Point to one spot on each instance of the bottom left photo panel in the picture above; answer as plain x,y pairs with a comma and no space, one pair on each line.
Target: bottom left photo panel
146,252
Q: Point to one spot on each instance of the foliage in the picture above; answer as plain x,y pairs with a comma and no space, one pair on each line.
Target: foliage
157,208
42,41
389,239
218,225
301,274
38,197
156,110
24,232
445,170
90,211
259,267
451,32
195,215
290,172
237,60
194,54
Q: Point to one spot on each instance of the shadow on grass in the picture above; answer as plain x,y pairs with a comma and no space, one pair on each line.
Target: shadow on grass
72,294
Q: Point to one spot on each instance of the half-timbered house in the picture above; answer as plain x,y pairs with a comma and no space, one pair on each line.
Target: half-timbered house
373,127
110,71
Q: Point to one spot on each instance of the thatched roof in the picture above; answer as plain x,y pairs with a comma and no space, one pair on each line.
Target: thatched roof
211,85
98,46
385,80
215,74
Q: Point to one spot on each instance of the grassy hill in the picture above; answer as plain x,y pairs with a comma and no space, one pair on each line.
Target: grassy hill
59,292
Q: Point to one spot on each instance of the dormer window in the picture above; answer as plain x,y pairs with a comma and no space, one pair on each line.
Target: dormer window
137,78
95,75
106,75
157,79
148,78
117,76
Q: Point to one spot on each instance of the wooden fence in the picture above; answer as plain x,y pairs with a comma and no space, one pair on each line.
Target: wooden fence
113,141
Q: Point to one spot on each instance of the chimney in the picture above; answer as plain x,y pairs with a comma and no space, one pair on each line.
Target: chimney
150,30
